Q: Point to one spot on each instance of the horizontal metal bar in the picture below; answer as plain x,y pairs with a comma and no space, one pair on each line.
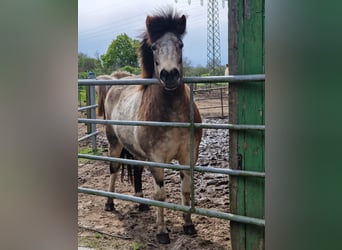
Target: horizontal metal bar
88,135
135,123
210,98
215,107
230,78
229,171
229,126
88,107
208,169
201,211
173,124
134,162
206,89
194,79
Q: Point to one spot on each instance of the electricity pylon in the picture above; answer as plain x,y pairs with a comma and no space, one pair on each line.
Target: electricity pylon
213,33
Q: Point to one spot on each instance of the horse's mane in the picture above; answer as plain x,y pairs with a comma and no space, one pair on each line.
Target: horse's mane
156,26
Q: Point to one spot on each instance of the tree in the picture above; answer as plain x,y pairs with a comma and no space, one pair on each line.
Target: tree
86,64
121,52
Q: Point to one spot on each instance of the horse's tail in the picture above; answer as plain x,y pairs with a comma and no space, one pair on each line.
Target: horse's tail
102,91
126,155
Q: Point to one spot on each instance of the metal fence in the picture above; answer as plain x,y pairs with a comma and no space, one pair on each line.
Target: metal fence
223,93
238,79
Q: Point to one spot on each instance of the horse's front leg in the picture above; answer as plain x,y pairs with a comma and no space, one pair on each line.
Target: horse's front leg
188,226
114,151
159,194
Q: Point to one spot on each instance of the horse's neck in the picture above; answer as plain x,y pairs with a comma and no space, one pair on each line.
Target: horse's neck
160,105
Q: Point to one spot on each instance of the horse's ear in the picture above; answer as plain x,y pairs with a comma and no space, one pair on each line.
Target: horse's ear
181,25
148,22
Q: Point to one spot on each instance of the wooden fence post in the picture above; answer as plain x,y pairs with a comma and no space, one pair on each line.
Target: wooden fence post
246,106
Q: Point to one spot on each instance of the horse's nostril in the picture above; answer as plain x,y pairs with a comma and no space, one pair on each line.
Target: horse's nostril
163,75
173,75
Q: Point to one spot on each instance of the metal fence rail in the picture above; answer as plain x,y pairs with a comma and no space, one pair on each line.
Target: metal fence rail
87,107
197,79
208,169
173,124
191,125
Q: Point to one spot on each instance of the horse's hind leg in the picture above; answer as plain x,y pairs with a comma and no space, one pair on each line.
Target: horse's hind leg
114,151
138,186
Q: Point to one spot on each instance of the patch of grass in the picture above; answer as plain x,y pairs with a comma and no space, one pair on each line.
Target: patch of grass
82,95
90,242
99,241
137,245
99,151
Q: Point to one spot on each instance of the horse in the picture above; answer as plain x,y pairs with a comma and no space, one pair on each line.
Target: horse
160,54
136,176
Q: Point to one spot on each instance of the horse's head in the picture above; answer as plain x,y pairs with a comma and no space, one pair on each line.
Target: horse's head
165,36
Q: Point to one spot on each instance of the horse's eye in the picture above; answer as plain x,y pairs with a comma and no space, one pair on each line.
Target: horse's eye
181,45
153,47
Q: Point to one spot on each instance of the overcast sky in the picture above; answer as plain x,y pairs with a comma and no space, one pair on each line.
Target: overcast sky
100,21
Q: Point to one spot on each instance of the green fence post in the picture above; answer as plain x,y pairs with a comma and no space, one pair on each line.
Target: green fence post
246,104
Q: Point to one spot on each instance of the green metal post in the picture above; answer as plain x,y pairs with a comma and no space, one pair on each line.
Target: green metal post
246,103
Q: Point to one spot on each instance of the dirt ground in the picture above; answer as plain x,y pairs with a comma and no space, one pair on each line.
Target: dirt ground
126,227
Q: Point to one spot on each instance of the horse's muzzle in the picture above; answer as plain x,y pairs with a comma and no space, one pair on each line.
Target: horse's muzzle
170,79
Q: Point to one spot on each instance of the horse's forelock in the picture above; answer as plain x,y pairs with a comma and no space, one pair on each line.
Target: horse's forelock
164,22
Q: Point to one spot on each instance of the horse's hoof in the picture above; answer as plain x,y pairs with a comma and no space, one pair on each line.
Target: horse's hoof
109,206
189,229
163,238
144,207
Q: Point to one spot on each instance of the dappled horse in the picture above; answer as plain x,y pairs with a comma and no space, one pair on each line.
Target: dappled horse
160,53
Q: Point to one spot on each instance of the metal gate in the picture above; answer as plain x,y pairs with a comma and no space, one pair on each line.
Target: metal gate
240,174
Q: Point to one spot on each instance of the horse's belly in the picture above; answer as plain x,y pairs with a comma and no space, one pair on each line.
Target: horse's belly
126,108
